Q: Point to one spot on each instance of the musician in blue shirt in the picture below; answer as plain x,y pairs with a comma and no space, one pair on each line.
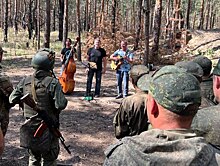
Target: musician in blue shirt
122,72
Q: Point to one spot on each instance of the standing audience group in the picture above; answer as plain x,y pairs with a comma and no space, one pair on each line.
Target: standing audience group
172,119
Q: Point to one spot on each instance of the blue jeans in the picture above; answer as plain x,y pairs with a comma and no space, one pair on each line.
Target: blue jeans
98,74
122,76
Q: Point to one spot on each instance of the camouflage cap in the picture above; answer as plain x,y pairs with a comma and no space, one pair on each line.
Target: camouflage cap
2,51
143,82
216,70
191,67
137,71
205,63
175,89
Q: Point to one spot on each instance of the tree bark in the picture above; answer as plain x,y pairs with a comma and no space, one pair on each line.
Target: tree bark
47,25
187,14
38,24
30,20
207,14
65,22
138,28
86,16
201,16
146,30
156,29
6,21
167,18
54,16
114,5
16,17
78,30
61,13
95,10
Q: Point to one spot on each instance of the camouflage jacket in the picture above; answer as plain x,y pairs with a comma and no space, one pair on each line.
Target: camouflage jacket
53,89
206,124
162,148
6,88
207,89
50,98
131,116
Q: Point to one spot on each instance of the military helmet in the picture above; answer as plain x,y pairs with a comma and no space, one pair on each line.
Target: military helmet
44,59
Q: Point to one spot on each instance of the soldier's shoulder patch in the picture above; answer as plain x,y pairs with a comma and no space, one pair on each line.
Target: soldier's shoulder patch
111,148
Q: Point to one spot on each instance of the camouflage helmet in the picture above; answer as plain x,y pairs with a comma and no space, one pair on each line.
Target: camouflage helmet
44,59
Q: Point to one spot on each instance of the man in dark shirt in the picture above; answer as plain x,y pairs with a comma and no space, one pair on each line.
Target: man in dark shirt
65,52
95,55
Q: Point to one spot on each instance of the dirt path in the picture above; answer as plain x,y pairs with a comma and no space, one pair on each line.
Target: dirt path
86,126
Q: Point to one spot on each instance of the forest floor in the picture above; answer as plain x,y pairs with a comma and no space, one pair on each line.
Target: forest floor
86,126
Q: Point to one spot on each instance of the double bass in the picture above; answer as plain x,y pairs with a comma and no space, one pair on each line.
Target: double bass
67,77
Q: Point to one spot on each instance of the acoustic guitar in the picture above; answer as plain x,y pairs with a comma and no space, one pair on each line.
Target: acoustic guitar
115,64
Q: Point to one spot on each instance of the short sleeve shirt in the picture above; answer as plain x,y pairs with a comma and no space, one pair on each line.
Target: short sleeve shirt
96,55
125,66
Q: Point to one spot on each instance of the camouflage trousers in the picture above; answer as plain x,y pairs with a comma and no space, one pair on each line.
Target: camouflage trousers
4,120
43,159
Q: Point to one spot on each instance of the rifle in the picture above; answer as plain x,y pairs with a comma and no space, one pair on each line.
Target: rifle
47,121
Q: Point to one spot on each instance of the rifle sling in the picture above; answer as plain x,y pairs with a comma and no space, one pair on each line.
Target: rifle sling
33,91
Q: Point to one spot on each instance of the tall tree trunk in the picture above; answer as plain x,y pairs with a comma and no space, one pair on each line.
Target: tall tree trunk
114,5
61,13
194,20
207,14
201,15
101,16
187,14
138,28
167,18
133,15
156,29
213,19
38,24
2,13
78,30
16,17
113,21
30,21
6,21
47,25
211,16
95,10
86,16
65,22
146,30
54,16
89,15
152,17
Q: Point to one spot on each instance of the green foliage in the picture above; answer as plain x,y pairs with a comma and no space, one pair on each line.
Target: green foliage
17,44
208,53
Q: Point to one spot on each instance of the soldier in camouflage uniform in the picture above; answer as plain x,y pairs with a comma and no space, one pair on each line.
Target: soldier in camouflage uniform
196,70
206,122
171,107
47,93
192,68
207,81
6,88
131,116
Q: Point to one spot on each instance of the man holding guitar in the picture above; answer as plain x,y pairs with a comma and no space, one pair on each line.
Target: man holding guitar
124,57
